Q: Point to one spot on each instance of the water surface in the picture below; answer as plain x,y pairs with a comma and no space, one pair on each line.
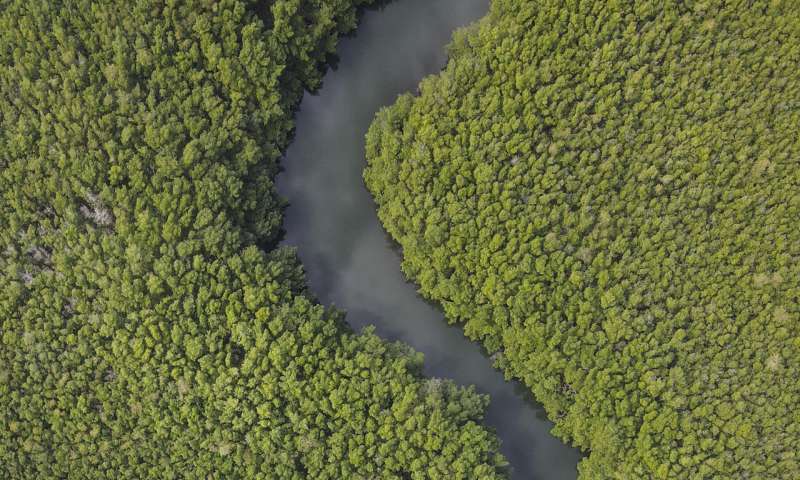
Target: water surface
349,259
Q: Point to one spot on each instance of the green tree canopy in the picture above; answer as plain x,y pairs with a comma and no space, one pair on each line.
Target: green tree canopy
605,194
143,334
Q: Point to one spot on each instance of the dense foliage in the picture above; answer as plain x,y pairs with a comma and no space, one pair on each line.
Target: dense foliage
606,194
143,334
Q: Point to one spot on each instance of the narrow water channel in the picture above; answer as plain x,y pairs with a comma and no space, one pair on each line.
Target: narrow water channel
349,259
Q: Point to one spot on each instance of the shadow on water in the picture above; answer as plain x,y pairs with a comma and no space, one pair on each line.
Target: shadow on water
350,261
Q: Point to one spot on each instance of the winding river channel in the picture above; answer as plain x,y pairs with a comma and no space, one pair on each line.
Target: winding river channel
350,261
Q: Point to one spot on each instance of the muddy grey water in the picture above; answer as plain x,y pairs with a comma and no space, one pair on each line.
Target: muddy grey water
349,260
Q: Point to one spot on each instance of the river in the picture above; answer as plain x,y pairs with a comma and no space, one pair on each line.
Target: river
349,260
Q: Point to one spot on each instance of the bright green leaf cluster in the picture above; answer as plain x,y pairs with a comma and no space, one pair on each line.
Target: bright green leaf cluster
605,194
142,332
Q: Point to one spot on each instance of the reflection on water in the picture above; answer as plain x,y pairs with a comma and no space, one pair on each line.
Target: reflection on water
349,259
